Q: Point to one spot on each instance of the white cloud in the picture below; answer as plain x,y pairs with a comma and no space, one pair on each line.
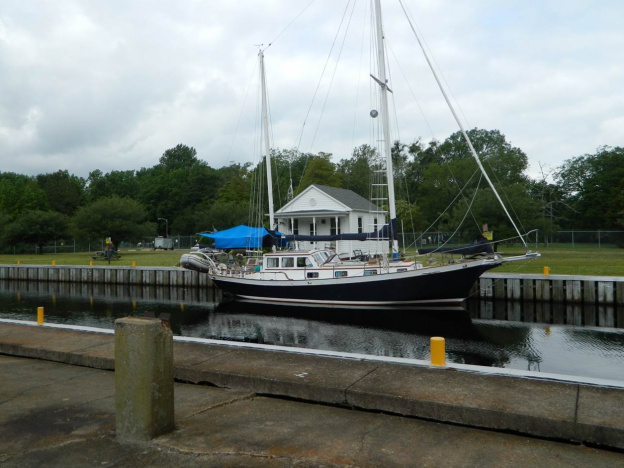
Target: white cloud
111,85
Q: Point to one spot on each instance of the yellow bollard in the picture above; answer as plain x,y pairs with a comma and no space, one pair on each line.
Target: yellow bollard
39,315
546,271
133,264
53,262
438,356
90,262
19,262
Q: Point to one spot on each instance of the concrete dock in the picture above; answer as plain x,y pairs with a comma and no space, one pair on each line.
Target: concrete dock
270,408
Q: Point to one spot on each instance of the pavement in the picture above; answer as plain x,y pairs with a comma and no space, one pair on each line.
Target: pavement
263,408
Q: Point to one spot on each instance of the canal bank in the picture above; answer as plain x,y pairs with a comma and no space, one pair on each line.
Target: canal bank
570,409
545,288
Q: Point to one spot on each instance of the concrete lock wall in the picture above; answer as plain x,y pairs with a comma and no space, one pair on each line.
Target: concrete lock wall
144,405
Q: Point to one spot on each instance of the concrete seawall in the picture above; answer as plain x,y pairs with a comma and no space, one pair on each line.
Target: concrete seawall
531,404
140,276
572,289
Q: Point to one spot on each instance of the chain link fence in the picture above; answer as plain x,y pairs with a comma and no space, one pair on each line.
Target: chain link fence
571,238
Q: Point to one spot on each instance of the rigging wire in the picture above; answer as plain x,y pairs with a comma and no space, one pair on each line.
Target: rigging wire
288,25
462,128
318,86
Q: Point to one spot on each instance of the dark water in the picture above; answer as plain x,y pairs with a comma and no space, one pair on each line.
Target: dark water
573,340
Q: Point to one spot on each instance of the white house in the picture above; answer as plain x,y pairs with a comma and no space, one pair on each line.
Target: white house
322,210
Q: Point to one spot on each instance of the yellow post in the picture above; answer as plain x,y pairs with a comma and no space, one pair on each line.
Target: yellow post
133,264
53,262
90,262
39,315
19,262
546,271
438,356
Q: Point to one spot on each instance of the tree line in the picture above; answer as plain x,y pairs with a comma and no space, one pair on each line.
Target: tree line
438,187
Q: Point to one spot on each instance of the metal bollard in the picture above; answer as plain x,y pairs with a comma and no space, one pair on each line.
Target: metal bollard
143,378
438,356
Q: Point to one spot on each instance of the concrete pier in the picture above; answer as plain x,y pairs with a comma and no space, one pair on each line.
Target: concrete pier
558,409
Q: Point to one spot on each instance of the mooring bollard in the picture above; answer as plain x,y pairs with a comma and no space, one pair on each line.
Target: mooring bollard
143,378
438,356
546,271
39,315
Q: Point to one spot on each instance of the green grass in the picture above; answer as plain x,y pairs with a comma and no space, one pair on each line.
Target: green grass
140,257
562,260
567,260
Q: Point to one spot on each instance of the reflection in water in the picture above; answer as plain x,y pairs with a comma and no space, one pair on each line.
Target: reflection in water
575,340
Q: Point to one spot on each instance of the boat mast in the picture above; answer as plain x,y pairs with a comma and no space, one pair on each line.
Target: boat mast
385,122
267,146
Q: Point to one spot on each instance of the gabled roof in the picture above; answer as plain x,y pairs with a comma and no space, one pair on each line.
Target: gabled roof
348,197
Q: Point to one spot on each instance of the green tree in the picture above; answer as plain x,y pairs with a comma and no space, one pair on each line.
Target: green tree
115,217
593,185
36,227
119,183
320,170
20,193
356,172
64,192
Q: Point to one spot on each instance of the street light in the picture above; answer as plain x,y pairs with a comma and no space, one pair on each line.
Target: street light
166,227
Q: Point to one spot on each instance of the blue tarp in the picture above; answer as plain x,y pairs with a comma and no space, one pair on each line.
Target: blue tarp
244,237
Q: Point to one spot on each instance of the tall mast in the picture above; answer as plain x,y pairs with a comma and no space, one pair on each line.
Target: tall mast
267,146
385,121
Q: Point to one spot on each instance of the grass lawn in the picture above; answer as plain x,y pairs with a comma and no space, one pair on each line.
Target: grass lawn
562,260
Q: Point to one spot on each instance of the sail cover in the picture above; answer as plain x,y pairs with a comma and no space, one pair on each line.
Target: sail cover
244,237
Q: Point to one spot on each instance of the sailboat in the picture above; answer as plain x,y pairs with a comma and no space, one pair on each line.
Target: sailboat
319,276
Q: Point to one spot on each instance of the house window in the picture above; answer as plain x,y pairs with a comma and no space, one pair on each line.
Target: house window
312,229
360,226
332,226
375,225
295,227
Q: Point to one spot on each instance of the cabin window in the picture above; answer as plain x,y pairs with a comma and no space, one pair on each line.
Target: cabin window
370,272
288,262
341,274
272,262
303,262
360,226
401,269
312,274
295,227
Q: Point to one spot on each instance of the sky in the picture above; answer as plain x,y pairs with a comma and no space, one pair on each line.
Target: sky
87,85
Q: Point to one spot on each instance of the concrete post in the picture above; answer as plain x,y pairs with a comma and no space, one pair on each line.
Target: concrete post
143,378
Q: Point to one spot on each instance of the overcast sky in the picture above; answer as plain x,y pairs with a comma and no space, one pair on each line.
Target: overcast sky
111,85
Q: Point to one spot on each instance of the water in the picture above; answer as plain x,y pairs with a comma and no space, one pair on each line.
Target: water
574,340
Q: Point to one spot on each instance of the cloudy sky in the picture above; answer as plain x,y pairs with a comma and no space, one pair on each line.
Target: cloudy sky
111,85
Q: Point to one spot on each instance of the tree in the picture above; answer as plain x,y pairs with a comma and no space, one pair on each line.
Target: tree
36,227
64,192
593,185
119,183
181,157
356,173
320,170
20,193
115,217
